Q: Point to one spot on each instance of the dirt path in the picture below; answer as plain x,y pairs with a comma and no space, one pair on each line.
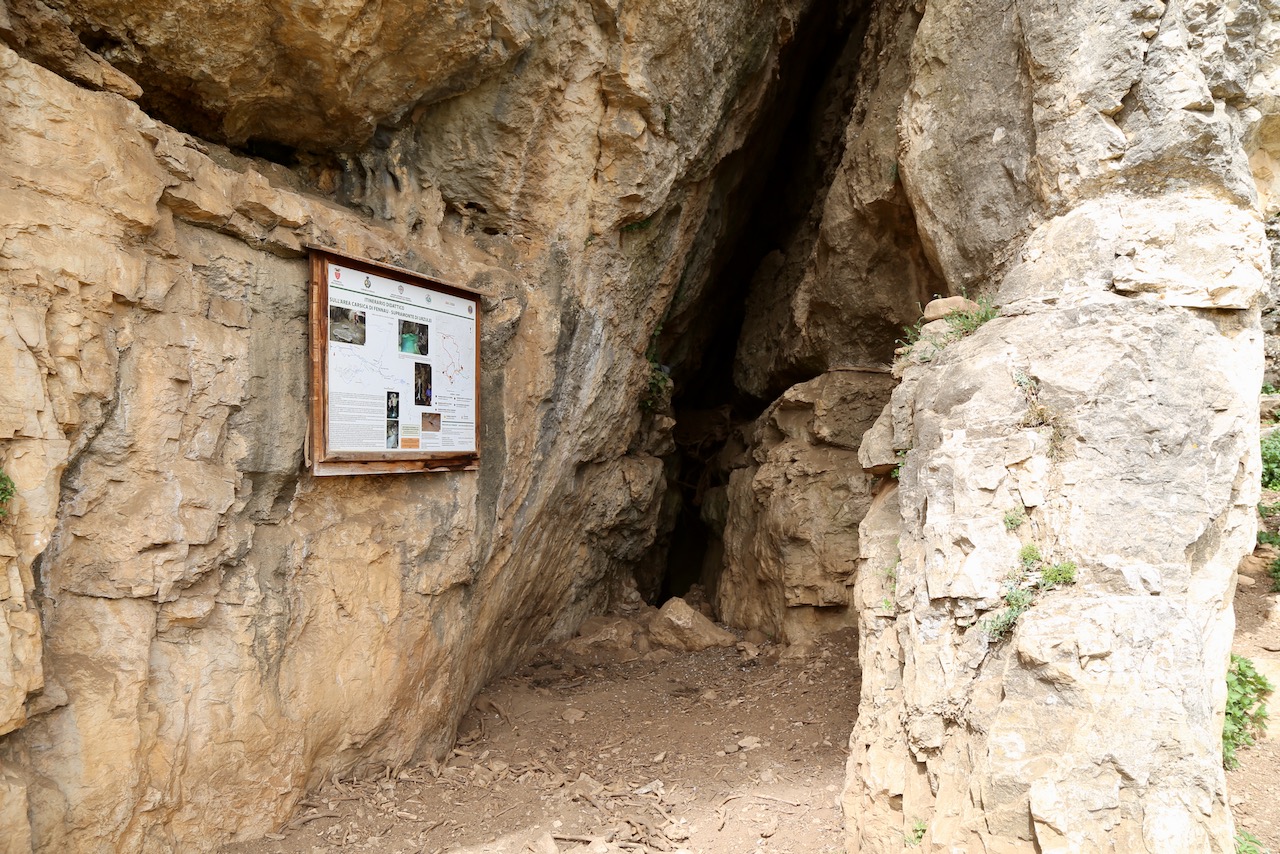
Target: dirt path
715,752
724,751
1252,787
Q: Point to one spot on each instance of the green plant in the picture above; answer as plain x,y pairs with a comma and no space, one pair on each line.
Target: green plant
1274,572
1059,573
1268,510
1014,519
897,470
1247,843
1268,388
639,225
967,320
1018,596
658,388
916,835
1268,538
959,324
1246,716
7,490
1271,461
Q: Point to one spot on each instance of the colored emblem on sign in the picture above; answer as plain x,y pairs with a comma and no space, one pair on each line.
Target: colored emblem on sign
337,274
471,309
367,283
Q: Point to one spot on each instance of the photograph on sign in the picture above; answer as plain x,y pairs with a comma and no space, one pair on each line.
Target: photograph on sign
398,368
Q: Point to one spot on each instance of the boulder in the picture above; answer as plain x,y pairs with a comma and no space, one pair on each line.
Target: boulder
679,626
937,309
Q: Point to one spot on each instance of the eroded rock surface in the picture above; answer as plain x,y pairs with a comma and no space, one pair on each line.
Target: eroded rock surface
194,629
1107,417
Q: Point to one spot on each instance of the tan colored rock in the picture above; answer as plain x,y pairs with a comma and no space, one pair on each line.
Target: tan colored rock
521,842
609,633
937,309
221,630
678,626
790,535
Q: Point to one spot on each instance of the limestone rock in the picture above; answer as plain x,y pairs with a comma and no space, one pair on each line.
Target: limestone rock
312,77
940,308
217,630
609,633
790,536
679,626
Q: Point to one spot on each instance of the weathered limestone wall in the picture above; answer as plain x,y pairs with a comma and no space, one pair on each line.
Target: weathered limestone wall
1088,169
790,531
195,630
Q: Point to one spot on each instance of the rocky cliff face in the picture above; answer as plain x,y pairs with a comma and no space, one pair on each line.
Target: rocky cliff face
1110,211
195,630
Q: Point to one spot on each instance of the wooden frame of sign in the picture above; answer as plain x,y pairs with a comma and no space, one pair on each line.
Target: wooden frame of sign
395,370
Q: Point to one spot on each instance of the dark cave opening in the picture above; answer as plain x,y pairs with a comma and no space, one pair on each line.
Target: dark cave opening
800,140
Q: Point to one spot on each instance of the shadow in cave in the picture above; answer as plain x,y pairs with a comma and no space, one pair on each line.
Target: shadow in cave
801,141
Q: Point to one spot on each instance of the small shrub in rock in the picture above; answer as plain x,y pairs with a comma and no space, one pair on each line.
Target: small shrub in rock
1268,538
6,493
1271,461
1014,519
897,470
1246,717
1021,588
1059,573
916,836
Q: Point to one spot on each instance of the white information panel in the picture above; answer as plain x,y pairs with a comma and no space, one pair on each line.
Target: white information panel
401,366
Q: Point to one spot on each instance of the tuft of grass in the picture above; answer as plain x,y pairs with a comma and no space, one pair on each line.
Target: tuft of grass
959,324
1030,557
1271,461
1246,716
1274,572
967,321
1015,519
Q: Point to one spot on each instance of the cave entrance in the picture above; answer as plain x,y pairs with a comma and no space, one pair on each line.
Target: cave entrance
767,213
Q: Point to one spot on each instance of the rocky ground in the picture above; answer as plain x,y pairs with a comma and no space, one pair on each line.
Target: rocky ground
624,740
1252,786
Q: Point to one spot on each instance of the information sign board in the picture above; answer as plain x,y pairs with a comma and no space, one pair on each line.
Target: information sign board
394,369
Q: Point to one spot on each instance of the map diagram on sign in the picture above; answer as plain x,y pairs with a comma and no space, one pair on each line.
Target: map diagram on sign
455,357
357,369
